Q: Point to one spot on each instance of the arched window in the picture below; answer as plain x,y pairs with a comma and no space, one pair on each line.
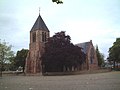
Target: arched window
44,37
34,37
92,56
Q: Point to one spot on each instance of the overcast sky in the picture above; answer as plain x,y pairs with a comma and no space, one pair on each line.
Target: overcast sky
83,20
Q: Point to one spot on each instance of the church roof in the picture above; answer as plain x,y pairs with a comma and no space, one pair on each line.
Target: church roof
39,24
84,46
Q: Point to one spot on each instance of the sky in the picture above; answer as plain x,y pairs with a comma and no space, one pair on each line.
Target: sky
83,20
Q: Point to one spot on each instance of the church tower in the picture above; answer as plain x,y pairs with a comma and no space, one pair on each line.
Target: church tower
38,37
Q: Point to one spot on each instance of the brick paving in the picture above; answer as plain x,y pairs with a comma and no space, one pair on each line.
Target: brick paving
98,81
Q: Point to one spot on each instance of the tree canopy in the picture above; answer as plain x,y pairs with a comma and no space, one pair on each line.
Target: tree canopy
20,58
100,57
5,54
61,55
114,52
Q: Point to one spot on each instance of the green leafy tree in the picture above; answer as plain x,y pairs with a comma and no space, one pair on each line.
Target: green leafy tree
61,55
5,55
20,58
100,57
114,52
12,64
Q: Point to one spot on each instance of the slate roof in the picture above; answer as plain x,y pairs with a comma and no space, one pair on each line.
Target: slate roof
39,24
84,46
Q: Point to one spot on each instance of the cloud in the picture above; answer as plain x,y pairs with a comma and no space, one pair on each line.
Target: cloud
99,31
83,21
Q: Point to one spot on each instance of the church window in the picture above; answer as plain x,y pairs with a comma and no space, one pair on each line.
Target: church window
91,56
34,37
45,37
91,60
42,36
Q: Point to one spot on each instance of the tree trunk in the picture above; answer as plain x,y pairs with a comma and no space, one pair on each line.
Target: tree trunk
1,72
117,64
2,59
114,64
1,69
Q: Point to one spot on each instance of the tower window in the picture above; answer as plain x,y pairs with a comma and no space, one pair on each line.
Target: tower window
43,37
34,37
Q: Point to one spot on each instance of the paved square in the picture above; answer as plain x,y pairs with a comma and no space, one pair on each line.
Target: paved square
99,81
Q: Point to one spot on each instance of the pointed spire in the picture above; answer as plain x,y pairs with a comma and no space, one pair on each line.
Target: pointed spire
39,24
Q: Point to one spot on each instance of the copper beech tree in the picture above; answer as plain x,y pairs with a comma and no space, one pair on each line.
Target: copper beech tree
61,55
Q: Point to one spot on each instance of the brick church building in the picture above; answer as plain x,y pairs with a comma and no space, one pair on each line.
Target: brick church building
38,36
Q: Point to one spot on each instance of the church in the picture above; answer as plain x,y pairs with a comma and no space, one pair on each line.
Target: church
38,37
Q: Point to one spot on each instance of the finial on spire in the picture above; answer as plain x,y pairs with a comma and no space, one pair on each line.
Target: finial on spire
39,10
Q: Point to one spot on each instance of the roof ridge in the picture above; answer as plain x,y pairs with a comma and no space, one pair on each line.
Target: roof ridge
83,42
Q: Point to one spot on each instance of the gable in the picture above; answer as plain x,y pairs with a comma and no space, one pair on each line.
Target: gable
84,46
